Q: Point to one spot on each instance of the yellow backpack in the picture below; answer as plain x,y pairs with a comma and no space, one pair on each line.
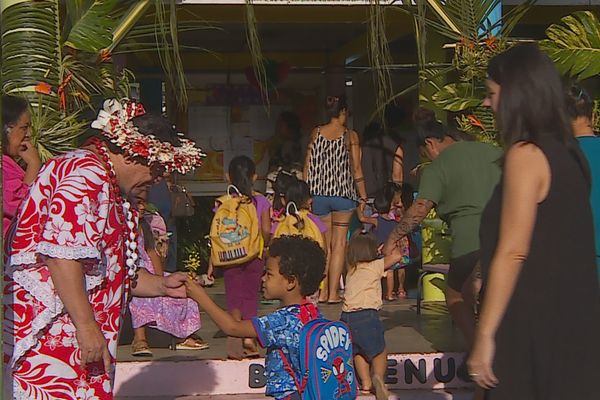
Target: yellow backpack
297,222
235,231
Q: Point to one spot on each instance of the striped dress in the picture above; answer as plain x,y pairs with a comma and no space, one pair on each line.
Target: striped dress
330,169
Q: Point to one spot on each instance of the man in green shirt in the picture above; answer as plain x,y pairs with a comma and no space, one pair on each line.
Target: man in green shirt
458,182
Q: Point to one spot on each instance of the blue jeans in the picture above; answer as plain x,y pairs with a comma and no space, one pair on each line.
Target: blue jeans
325,205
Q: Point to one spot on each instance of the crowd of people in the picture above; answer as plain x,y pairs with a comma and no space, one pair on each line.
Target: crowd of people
84,243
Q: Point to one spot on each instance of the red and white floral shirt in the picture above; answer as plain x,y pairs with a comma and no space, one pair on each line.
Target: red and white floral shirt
69,213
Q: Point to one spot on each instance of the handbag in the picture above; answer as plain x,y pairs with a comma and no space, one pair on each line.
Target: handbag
182,204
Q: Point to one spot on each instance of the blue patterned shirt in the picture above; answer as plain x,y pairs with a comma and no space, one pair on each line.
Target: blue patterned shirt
280,330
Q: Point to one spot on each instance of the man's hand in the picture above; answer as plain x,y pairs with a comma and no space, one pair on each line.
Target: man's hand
174,284
409,222
92,345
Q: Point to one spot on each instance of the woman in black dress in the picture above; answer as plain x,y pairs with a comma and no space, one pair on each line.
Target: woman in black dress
539,330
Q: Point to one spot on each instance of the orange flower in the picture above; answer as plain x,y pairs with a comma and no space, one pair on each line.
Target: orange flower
62,91
43,88
473,120
104,55
490,42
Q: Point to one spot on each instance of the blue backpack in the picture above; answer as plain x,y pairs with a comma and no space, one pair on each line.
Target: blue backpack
326,367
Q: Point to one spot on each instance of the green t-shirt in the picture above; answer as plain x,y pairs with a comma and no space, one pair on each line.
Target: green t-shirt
460,182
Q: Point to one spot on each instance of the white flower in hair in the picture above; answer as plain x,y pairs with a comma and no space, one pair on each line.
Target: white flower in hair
114,120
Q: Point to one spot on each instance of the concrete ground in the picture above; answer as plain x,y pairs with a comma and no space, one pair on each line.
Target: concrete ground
406,332
459,394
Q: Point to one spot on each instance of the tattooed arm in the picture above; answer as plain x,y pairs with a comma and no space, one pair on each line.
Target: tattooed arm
409,222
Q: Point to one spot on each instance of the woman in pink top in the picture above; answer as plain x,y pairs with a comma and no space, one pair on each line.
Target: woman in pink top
16,134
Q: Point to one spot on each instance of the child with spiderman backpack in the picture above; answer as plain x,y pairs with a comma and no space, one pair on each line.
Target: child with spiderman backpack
362,302
239,228
308,358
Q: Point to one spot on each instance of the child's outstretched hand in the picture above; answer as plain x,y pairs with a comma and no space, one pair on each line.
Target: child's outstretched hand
193,288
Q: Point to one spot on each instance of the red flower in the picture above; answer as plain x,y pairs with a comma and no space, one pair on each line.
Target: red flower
140,148
43,88
473,120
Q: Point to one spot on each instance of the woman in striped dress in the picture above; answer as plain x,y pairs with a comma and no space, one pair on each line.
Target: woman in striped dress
334,173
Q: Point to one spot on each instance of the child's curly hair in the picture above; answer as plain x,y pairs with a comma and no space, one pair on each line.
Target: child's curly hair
301,258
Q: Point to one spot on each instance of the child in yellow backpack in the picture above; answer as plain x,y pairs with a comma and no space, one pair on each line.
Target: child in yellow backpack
243,282
362,302
297,192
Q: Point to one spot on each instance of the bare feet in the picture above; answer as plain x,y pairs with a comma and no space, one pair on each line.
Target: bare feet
381,392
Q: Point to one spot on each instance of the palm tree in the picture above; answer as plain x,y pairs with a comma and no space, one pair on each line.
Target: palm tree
58,54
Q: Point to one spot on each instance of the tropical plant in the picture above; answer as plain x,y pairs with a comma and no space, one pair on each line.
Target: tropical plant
574,45
59,56
474,40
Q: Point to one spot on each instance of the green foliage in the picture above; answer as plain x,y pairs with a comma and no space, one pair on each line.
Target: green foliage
456,97
51,135
466,23
58,55
574,45
93,30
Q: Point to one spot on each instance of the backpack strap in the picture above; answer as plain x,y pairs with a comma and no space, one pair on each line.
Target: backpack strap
288,368
308,312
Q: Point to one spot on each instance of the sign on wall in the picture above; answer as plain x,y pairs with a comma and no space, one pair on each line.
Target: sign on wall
218,377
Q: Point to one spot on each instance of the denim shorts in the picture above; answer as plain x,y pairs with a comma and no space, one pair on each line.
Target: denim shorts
324,205
367,332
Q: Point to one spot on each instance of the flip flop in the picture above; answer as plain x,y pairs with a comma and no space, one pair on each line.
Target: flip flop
141,349
192,344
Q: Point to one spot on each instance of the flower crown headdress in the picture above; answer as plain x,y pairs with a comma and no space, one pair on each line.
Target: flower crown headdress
115,123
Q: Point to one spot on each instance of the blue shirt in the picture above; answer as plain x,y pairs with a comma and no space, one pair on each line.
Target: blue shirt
280,330
590,145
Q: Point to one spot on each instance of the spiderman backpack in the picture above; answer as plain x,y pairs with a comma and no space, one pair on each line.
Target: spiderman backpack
326,368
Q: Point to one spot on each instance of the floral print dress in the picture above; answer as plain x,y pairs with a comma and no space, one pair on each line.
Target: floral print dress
70,213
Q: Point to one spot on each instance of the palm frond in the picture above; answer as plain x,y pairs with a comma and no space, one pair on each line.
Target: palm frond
379,55
456,97
574,45
51,133
94,30
169,51
27,28
512,17
259,63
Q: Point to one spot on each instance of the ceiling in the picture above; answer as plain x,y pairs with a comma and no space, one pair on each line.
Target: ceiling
307,37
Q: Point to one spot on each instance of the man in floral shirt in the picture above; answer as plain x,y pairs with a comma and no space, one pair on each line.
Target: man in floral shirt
73,255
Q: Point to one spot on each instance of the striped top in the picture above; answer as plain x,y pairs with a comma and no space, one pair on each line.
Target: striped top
330,169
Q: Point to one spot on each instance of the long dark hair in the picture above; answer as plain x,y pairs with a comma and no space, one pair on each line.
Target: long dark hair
532,101
241,173
298,192
12,109
284,179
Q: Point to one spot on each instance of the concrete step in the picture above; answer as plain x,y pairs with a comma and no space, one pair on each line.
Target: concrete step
447,394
